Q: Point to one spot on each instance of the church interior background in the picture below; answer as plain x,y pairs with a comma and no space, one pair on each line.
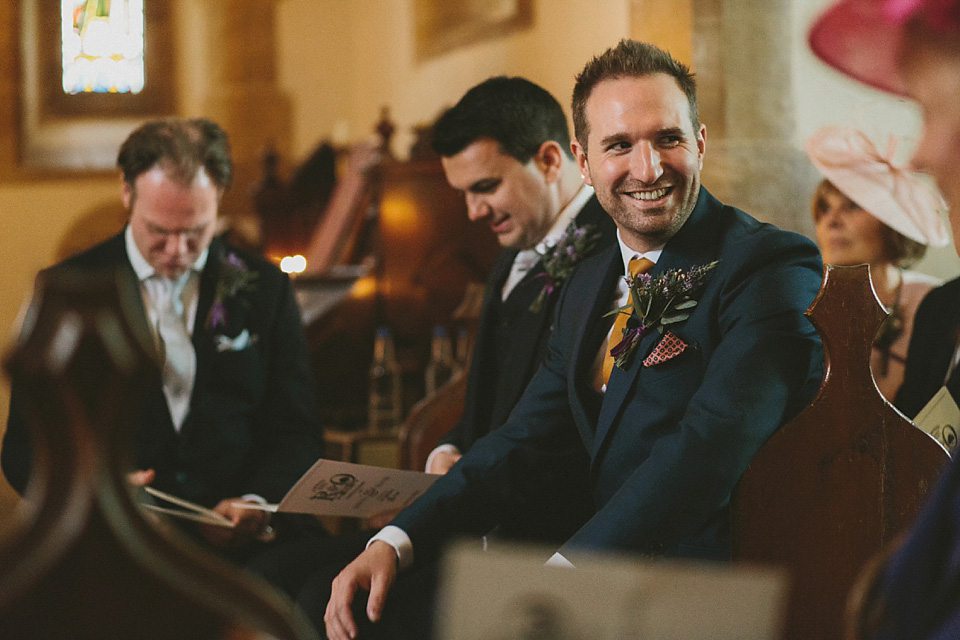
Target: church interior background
290,74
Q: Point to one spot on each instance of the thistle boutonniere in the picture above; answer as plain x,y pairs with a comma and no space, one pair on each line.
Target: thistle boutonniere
657,302
561,258
234,278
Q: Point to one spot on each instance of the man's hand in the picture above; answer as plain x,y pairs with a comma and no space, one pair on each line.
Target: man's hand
141,478
248,523
442,461
374,570
382,519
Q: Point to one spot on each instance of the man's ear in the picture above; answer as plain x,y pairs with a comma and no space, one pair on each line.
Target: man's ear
549,159
580,155
126,192
702,143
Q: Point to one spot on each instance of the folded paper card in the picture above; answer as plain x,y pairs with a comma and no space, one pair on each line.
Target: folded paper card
941,419
334,488
158,502
508,593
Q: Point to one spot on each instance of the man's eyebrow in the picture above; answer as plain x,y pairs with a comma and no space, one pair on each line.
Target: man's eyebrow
673,131
158,229
660,133
483,184
616,137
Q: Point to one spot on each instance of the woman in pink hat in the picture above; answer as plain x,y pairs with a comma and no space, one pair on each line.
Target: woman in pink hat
912,48
867,209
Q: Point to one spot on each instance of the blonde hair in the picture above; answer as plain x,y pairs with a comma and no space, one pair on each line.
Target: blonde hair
898,248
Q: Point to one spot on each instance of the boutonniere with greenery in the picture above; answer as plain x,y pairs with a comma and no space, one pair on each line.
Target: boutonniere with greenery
234,278
656,303
562,257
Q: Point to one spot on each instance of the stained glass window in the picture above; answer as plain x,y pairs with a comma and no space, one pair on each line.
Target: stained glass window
102,46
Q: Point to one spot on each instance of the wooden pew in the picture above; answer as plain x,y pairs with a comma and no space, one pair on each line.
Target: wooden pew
834,486
83,561
429,420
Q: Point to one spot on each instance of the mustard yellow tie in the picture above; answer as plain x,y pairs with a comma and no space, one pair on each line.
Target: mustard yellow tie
636,267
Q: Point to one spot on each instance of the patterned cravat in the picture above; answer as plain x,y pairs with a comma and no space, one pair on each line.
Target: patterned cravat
636,267
176,349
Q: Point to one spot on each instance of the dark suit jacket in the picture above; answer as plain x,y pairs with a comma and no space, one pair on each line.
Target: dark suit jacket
666,443
252,426
510,344
931,348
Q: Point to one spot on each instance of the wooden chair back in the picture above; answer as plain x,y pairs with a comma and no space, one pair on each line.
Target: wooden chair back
83,561
838,482
428,421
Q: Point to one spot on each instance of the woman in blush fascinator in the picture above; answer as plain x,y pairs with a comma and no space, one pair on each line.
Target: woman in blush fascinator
867,209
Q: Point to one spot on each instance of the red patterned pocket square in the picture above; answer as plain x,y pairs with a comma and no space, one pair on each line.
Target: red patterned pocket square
670,346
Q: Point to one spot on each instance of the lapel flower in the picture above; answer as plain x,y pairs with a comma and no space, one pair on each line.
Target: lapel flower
657,302
234,278
562,257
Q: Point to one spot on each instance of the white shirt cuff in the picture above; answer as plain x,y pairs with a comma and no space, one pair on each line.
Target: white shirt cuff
268,534
399,540
443,448
557,560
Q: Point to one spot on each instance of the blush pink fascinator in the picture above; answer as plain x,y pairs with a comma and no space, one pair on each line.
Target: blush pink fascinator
900,198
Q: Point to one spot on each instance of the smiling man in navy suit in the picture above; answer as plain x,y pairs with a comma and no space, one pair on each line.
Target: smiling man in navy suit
680,416
234,418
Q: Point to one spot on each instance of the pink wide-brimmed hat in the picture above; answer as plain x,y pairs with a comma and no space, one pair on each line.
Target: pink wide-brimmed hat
862,38
895,195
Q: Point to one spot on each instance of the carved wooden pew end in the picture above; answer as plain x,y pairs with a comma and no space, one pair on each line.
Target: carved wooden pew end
83,562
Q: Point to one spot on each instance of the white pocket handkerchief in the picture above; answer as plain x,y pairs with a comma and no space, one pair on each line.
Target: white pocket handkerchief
241,342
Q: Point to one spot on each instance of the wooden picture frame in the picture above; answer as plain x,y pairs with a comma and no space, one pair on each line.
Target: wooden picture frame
81,132
442,25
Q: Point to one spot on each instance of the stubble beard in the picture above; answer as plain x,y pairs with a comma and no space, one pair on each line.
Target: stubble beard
653,226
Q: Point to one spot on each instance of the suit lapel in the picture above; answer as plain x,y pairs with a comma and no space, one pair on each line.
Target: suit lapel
598,299
157,424
114,254
203,341
532,324
486,335
695,243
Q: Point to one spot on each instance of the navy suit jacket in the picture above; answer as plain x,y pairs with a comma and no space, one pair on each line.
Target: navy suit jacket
932,344
666,443
252,426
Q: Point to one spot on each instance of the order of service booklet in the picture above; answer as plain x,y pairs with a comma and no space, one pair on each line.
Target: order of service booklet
328,488
941,419
334,488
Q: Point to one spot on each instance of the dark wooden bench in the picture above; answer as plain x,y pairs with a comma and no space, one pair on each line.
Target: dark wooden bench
836,485
82,561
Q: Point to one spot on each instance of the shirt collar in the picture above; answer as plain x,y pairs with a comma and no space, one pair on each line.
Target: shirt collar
140,265
565,217
628,254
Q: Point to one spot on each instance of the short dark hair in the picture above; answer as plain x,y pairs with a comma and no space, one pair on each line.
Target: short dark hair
516,113
629,59
182,146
